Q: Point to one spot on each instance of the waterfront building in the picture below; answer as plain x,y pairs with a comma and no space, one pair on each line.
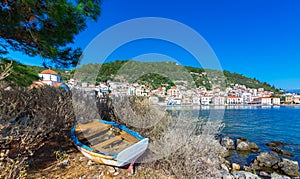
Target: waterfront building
296,99
218,100
289,98
205,100
263,100
276,101
247,97
234,100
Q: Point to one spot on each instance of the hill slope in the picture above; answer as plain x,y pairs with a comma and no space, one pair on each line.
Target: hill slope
155,74
202,77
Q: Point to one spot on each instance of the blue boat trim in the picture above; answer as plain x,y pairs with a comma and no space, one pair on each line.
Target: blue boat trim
120,126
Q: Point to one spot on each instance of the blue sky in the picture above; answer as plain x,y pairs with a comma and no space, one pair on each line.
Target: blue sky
255,38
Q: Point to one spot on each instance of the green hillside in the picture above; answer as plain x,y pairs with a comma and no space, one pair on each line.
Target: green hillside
113,70
24,75
152,74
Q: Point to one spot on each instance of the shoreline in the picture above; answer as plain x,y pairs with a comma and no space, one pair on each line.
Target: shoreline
244,106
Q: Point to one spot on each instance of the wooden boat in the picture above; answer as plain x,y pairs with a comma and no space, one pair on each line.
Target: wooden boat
108,143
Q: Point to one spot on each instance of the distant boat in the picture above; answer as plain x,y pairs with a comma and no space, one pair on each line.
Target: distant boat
109,143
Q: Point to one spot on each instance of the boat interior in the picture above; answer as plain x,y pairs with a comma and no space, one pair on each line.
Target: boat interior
104,138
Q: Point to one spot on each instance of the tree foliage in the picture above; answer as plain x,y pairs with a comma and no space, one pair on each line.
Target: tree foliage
45,27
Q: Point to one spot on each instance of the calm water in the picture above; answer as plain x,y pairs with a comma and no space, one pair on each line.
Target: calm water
262,125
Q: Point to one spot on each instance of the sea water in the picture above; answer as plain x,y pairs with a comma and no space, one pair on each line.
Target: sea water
260,124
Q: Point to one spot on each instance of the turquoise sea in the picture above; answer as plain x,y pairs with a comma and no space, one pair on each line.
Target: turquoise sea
260,124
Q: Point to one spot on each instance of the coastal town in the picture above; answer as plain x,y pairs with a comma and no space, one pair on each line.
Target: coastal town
176,95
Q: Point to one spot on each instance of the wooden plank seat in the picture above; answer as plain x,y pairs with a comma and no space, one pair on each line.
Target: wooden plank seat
89,135
128,137
107,142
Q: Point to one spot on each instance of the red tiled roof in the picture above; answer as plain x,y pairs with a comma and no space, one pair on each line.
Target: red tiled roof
48,71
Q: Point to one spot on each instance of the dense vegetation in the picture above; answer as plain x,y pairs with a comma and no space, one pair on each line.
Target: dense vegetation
24,75
38,28
202,77
249,82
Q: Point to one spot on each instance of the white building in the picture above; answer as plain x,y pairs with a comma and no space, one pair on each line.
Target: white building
49,77
205,100
218,100
247,97
276,101
263,100
234,100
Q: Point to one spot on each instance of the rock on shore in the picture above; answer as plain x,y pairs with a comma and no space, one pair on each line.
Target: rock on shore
243,145
267,164
270,161
274,146
227,143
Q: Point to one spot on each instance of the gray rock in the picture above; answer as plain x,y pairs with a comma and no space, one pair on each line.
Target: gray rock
243,146
253,146
282,152
275,144
226,175
244,175
227,143
289,167
242,139
264,174
277,176
267,159
224,152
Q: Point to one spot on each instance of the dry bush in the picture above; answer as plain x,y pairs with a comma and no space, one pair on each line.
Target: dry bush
29,118
5,70
180,152
137,113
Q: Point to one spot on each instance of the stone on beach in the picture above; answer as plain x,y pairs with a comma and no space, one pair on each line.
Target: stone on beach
243,145
270,161
282,152
235,167
253,146
275,144
244,175
228,143
277,176
289,167
226,175
267,159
